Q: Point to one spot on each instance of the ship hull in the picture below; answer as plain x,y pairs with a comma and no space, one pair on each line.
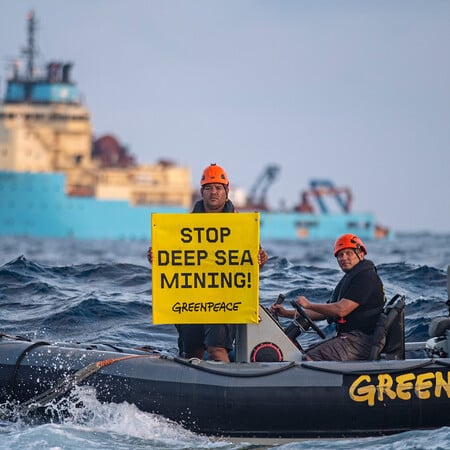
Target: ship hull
36,205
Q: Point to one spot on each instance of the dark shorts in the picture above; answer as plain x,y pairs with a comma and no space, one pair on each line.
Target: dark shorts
191,338
351,346
219,335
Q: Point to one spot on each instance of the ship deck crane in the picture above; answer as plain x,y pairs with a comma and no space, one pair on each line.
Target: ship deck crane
320,190
258,192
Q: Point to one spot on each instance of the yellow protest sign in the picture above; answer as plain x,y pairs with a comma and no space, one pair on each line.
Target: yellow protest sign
205,268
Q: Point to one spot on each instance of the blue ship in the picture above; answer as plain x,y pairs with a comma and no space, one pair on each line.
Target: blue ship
57,181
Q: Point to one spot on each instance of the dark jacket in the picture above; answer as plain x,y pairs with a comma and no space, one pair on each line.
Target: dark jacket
363,286
199,207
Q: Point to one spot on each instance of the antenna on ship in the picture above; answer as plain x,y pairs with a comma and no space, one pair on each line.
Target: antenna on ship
30,50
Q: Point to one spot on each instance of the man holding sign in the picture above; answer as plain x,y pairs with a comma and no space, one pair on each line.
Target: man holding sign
216,339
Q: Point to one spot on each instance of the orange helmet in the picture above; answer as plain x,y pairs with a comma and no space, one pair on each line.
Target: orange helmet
349,241
214,174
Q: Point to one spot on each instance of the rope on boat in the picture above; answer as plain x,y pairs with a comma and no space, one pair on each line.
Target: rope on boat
370,371
234,374
21,357
16,338
309,366
67,384
442,363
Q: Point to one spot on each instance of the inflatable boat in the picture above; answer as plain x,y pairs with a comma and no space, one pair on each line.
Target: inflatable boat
269,392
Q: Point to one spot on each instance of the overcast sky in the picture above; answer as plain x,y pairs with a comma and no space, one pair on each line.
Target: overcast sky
353,91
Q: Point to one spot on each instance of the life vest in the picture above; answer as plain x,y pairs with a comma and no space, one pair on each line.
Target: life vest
364,265
199,207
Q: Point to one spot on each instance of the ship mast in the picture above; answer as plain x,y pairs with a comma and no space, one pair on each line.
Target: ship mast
30,50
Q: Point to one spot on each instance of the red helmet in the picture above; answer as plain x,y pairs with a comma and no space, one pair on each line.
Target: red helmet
349,241
214,174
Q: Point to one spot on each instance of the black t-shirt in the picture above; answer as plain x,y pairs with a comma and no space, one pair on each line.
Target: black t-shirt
363,286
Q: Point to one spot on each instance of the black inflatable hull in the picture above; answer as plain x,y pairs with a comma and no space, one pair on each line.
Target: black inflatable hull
262,400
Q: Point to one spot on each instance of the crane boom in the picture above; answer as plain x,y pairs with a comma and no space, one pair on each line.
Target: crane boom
258,192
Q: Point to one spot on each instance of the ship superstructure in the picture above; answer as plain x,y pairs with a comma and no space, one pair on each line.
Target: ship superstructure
44,128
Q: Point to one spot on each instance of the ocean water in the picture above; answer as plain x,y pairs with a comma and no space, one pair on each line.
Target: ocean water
79,291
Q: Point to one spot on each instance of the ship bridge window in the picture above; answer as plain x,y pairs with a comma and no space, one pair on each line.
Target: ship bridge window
56,116
37,116
306,224
358,226
81,118
7,116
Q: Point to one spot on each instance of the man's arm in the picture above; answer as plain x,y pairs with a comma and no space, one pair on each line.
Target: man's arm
262,257
341,308
150,255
